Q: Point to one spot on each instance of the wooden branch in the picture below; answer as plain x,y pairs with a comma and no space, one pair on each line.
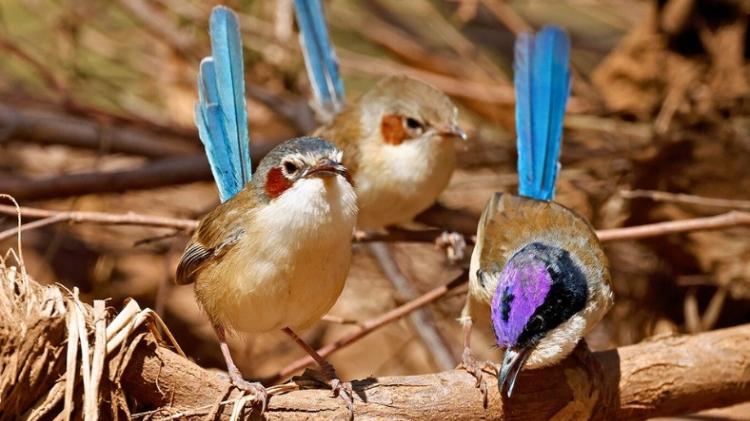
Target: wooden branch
154,174
48,127
666,377
47,217
688,199
165,172
450,220
371,325
726,220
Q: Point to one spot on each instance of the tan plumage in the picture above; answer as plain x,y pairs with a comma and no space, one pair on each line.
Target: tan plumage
396,175
263,264
511,222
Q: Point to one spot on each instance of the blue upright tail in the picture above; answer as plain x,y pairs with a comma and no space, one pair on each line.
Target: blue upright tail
320,57
220,113
542,79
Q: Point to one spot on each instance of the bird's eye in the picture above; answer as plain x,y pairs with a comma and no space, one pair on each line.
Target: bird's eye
290,168
413,124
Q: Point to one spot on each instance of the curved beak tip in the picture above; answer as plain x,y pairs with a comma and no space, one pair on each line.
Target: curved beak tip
456,132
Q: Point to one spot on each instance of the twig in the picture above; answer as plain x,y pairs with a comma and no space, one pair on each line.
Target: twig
47,76
32,225
713,310
507,16
421,319
726,220
162,28
461,220
691,312
48,127
49,216
493,94
165,172
371,325
661,196
162,173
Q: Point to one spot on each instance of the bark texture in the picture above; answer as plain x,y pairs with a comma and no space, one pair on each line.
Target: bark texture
666,376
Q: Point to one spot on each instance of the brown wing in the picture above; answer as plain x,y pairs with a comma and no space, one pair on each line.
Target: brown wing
217,233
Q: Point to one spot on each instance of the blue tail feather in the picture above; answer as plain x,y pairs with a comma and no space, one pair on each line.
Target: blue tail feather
542,80
221,114
320,57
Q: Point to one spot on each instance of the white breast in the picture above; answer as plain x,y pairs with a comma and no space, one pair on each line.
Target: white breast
291,264
396,182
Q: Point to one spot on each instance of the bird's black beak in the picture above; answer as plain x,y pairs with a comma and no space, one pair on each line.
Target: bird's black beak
513,362
453,131
327,168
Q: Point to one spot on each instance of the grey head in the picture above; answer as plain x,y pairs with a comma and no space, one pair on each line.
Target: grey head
296,159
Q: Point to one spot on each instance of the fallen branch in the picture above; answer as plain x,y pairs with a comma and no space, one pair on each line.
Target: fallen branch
663,377
689,199
666,377
47,127
726,220
371,325
154,174
457,221
47,217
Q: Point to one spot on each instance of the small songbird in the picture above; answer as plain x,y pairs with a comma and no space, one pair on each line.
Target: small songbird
276,252
397,138
537,266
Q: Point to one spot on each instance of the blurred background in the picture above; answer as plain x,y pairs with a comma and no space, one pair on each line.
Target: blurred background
96,113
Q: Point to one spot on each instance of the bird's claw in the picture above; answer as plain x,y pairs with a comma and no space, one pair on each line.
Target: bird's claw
343,390
254,389
471,366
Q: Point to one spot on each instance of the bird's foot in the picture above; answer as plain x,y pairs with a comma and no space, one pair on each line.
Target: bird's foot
254,389
454,245
343,390
339,388
473,367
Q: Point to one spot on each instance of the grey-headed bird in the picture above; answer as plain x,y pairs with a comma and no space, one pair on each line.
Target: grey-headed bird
276,252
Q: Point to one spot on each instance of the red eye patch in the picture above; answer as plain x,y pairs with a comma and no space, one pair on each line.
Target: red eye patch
392,129
276,182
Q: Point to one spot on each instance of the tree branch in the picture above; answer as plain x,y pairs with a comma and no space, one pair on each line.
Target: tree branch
449,219
47,127
667,377
688,199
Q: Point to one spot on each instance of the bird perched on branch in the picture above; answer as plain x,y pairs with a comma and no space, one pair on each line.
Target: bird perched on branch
397,138
275,253
537,266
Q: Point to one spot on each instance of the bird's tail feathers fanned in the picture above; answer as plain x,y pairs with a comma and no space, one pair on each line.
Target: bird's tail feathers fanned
320,57
542,81
221,114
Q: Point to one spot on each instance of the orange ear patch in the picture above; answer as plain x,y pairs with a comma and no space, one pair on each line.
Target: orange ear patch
276,183
392,129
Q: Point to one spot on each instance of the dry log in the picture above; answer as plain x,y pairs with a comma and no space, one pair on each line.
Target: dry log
668,376
665,376
54,127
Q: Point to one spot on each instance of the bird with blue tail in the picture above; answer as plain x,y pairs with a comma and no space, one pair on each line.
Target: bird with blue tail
398,137
399,142
275,253
538,271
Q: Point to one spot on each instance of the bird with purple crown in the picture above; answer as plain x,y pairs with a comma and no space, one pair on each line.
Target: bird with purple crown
538,270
